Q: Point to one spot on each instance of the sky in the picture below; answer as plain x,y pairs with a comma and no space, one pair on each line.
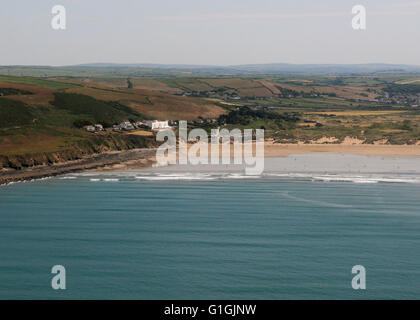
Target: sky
209,32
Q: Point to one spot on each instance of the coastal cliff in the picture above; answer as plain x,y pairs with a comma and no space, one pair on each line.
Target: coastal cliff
76,151
97,152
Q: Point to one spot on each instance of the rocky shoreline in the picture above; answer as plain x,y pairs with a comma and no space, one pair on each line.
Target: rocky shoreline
134,157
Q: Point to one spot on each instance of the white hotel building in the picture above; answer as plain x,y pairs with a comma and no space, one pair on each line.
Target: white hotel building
156,125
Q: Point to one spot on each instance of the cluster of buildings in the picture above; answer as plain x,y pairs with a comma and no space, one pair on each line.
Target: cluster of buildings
94,128
148,125
128,126
404,99
212,94
202,121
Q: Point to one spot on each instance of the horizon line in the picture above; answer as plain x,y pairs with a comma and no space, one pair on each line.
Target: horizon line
207,65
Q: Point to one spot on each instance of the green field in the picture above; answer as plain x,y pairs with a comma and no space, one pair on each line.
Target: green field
49,84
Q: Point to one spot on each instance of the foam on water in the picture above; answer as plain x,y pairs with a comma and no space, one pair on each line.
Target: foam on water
210,176
174,177
319,168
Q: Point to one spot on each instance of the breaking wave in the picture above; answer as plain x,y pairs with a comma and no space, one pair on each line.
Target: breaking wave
288,176
215,176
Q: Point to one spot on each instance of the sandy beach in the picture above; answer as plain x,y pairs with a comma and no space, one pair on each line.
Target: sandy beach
282,150
349,146
372,157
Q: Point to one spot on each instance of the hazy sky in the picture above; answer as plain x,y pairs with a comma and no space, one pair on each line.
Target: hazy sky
216,32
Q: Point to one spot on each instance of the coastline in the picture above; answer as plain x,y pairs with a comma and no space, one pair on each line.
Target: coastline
142,158
104,161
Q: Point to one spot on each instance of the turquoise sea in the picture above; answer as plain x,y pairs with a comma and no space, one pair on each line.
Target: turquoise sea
204,237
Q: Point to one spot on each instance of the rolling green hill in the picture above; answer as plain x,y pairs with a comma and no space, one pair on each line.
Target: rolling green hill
90,108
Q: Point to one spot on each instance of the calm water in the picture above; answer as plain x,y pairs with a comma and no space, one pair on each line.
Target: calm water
267,238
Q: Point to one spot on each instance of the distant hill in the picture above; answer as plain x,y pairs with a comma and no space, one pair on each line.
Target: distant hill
173,70
335,69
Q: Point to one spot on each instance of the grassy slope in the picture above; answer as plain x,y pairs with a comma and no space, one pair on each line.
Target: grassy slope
30,130
154,104
90,108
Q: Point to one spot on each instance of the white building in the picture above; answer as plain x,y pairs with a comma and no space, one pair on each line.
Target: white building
89,128
126,125
99,127
156,125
